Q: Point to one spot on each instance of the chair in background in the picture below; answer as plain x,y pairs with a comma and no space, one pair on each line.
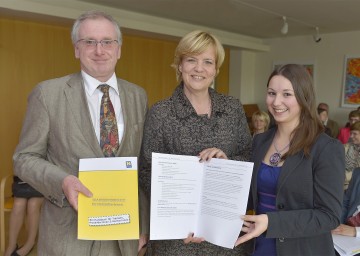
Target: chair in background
6,204
249,111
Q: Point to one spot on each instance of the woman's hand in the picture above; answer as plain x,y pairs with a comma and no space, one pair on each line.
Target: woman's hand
344,230
209,153
254,226
192,239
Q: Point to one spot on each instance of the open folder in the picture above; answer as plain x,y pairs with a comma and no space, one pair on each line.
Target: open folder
346,245
113,211
205,198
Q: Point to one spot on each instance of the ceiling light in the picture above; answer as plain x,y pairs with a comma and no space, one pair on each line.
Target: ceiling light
317,37
285,28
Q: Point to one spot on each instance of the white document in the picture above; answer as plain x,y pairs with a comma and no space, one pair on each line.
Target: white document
346,245
205,198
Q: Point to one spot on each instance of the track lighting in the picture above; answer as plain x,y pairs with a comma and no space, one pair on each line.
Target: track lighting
285,28
317,37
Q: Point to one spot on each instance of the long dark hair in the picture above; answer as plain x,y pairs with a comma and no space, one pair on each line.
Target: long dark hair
310,126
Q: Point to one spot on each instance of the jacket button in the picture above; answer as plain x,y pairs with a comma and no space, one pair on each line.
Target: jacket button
281,206
281,239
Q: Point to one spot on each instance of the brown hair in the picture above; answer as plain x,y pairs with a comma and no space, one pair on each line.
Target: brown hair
355,126
354,113
309,127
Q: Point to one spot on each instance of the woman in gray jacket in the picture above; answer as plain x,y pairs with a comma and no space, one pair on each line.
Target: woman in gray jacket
297,185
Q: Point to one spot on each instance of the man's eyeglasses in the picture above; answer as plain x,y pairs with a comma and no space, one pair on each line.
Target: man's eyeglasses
105,43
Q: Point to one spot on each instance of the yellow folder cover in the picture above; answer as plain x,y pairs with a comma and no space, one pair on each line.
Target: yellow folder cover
113,211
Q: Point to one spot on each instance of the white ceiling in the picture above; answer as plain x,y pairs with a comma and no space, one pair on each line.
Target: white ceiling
256,18
242,24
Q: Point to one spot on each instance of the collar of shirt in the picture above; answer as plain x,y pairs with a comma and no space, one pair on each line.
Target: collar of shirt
325,122
91,84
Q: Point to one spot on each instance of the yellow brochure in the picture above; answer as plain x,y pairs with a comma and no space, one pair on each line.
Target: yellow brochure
113,211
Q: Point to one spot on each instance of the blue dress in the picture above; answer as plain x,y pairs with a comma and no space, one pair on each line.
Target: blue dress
267,180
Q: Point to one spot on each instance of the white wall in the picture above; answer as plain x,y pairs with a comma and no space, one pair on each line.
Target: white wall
327,55
250,68
242,75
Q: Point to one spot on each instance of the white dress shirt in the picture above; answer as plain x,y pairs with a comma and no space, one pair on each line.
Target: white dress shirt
94,95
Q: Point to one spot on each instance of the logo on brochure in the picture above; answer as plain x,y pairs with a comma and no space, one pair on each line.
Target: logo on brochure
128,164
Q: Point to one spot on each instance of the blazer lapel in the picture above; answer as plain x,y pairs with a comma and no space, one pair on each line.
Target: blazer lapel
287,168
124,104
265,145
290,164
75,95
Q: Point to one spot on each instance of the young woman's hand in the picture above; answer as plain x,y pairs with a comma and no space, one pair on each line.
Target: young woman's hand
254,225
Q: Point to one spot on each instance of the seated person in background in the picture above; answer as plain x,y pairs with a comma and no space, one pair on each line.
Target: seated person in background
27,201
344,134
328,123
351,207
321,113
260,122
352,152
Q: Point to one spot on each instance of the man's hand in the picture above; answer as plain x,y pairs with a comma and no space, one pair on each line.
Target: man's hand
72,186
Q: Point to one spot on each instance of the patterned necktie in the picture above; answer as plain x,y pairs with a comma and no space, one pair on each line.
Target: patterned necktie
109,139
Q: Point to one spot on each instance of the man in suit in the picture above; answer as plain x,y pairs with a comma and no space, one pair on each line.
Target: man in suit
331,125
62,125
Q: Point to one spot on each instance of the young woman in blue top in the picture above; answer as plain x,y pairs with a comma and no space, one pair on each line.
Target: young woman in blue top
297,185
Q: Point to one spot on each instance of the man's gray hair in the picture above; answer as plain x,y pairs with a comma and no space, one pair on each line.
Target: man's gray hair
94,15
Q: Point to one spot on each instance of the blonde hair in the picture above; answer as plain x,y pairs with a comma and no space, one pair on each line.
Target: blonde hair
262,116
195,43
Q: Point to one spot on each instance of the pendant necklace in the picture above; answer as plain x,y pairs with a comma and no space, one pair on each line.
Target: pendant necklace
276,157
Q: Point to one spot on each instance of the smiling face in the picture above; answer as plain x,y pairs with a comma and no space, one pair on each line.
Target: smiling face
281,101
198,71
355,136
259,124
95,60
